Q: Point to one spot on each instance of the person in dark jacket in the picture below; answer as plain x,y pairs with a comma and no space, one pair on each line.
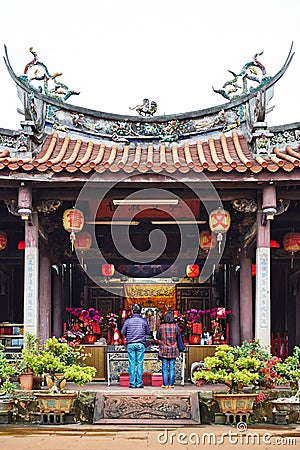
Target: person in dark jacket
135,329
168,348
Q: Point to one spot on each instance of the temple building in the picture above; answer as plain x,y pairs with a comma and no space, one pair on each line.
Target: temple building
193,211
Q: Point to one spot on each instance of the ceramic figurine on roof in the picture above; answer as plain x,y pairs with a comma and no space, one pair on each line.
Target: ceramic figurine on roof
145,109
253,71
36,71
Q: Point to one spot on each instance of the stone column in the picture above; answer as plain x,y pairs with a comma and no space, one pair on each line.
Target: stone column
234,305
263,270
246,315
45,295
31,276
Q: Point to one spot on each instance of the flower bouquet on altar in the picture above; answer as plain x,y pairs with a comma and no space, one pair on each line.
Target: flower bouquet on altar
218,323
84,324
194,319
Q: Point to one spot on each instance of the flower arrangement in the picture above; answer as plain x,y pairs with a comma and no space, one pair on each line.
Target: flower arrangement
83,322
86,315
112,320
194,315
215,317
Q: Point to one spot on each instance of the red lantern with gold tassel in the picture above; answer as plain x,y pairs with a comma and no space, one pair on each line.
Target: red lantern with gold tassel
291,244
3,240
219,223
73,221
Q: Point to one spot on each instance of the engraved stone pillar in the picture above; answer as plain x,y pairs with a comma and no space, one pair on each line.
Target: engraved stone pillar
263,298
31,276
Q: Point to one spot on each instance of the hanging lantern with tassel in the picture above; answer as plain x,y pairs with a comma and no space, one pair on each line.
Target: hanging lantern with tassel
192,270
108,270
207,240
83,241
73,221
219,223
291,244
3,240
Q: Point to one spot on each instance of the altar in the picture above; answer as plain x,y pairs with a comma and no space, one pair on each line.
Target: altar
117,363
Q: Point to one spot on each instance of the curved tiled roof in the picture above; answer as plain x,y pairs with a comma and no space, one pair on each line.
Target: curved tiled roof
224,154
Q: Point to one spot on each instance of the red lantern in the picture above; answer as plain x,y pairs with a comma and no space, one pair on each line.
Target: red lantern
21,245
108,270
207,240
219,222
291,244
3,240
192,270
253,270
274,244
73,221
83,241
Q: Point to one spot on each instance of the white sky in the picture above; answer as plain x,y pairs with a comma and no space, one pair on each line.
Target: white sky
117,52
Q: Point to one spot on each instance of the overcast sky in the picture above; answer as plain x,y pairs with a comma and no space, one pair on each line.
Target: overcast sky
118,52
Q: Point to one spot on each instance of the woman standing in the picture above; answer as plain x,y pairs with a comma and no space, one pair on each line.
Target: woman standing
168,348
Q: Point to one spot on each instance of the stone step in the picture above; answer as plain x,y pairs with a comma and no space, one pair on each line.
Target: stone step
147,406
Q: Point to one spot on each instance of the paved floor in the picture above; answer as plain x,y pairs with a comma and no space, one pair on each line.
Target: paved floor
118,437
94,437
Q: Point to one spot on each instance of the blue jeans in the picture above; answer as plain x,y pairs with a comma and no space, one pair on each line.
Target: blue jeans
136,352
168,371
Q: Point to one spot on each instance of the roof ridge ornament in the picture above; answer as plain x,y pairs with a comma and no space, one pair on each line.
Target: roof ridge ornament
37,77
242,83
146,109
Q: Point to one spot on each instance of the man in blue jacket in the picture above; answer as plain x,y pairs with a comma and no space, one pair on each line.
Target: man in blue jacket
135,329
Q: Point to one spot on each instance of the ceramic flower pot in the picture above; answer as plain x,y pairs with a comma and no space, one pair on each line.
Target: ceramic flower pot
240,403
26,381
55,403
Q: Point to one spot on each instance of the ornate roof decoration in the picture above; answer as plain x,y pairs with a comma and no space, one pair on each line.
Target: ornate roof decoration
146,109
252,77
37,77
44,112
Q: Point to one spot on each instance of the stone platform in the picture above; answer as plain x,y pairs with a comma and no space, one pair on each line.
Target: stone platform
147,406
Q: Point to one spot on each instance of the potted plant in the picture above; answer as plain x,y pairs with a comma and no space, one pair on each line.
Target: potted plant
27,367
60,362
58,357
237,367
289,370
7,387
227,368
